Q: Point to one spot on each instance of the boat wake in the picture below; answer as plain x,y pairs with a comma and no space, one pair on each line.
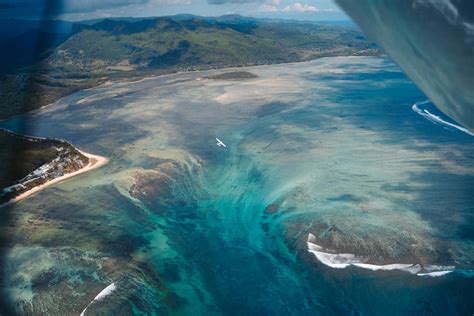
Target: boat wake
437,119
105,292
344,260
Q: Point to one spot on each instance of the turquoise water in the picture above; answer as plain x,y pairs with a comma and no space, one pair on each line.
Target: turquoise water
182,226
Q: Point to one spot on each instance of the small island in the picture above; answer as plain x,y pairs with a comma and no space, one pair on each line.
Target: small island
233,75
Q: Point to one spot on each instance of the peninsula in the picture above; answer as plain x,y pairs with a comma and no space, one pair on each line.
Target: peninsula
41,162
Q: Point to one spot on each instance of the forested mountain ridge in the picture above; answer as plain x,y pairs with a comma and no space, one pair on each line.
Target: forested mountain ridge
45,61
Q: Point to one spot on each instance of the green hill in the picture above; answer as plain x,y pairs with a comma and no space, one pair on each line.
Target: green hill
87,53
199,43
69,57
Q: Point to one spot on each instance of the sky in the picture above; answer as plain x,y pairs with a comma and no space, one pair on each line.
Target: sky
92,9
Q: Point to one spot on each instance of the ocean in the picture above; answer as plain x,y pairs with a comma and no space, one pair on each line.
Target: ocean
334,195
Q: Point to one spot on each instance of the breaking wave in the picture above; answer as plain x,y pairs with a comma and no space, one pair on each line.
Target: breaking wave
437,119
344,260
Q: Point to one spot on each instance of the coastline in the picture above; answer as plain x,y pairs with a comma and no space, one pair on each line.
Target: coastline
139,77
95,162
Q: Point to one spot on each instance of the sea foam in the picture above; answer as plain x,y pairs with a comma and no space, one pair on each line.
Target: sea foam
344,260
436,119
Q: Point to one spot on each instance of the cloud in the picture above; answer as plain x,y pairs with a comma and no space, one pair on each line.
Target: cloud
73,6
300,8
219,2
52,8
268,8
29,8
274,6
88,9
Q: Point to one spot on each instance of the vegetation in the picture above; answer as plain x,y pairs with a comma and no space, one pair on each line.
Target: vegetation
83,55
32,153
233,75
73,56
201,43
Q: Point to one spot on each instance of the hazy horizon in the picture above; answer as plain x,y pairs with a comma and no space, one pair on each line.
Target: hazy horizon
302,10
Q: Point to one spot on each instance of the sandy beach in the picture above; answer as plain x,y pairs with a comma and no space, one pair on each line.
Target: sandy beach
95,161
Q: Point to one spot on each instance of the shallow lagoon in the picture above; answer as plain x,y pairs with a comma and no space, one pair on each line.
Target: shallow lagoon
331,147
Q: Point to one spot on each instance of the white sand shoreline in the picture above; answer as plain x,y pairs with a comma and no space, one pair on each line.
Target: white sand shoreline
95,161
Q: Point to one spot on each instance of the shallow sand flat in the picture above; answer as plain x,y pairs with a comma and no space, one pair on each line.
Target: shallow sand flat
179,225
